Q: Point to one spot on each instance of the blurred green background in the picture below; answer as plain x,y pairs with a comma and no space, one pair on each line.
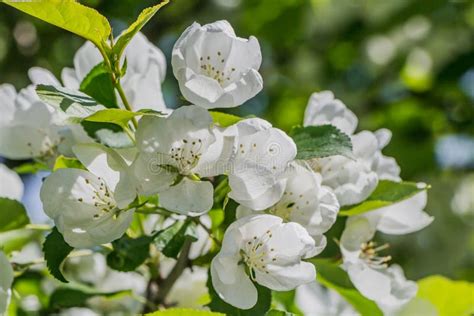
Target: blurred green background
407,65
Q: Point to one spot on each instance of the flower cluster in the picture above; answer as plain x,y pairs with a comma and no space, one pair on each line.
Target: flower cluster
286,205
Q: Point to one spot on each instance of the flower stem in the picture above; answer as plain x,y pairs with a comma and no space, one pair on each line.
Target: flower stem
127,105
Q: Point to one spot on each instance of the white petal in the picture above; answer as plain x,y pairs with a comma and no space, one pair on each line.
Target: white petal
188,197
290,241
217,158
358,230
241,294
288,277
40,75
371,283
69,78
101,161
11,185
402,291
405,217
323,108
7,102
86,58
149,176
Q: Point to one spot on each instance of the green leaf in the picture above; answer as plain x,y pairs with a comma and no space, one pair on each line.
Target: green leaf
75,104
133,29
218,305
118,117
445,296
332,276
286,300
13,215
184,312
55,251
224,119
66,162
67,297
129,253
14,240
171,239
98,85
320,141
69,15
31,167
386,193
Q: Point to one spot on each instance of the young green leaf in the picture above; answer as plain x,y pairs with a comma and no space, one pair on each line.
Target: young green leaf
332,276
320,141
261,308
171,239
184,312
13,215
133,29
98,85
129,253
55,251
31,167
66,297
75,104
66,162
224,119
115,116
386,193
69,15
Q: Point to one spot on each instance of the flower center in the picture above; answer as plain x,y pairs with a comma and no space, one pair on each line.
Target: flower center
216,68
369,253
257,255
186,154
102,198
289,204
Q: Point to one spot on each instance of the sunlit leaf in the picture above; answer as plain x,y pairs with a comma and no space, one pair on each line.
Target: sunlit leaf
66,162
224,119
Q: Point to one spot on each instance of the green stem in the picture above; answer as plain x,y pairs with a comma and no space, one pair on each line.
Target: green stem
127,105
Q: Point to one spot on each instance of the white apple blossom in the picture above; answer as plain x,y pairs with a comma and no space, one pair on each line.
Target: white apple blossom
11,185
315,300
306,202
6,281
89,207
262,154
323,109
370,272
174,152
215,68
146,70
28,127
352,180
263,249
